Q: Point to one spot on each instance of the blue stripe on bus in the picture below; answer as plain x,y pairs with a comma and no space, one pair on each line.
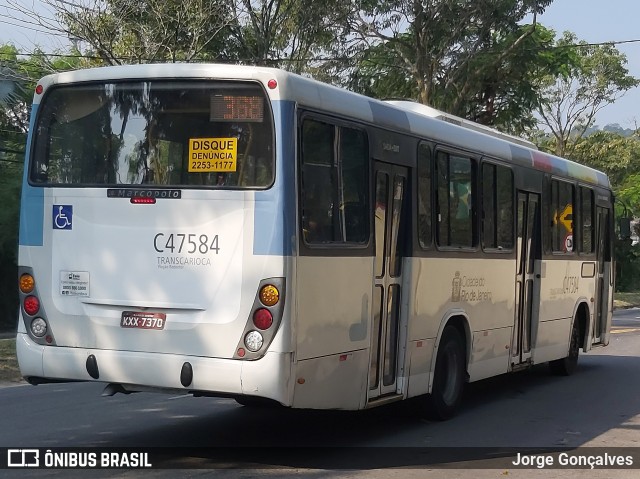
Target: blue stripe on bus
32,201
274,220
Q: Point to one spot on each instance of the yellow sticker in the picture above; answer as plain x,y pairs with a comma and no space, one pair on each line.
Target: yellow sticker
212,155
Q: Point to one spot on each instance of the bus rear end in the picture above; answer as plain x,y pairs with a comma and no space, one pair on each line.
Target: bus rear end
137,259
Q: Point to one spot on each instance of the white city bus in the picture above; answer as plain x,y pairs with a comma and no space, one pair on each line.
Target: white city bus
249,233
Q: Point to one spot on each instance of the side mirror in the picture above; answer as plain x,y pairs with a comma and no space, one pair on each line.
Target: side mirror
625,228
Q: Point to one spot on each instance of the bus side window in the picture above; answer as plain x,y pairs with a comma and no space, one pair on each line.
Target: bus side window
334,191
497,207
456,179
586,219
424,195
317,179
561,215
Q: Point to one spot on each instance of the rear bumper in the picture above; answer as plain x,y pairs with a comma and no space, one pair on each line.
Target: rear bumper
267,377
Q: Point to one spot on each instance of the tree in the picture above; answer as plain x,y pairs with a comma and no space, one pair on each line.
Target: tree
135,31
597,77
285,33
454,53
504,95
618,156
18,77
12,138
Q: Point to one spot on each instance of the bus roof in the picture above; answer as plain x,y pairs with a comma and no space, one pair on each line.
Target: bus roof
403,117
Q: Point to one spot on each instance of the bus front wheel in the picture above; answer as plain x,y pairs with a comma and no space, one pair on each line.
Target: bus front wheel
567,365
448,377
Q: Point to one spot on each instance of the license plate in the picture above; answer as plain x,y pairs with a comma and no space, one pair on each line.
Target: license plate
137,320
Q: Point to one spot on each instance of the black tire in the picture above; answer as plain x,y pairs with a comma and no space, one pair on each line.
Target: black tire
449,376
568,365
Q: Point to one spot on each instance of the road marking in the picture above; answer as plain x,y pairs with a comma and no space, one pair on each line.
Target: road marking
180,397
624,330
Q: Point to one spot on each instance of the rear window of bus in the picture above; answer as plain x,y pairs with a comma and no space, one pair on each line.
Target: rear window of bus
156,133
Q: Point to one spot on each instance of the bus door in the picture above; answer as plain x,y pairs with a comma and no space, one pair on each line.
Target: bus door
603,276
527,278
390,192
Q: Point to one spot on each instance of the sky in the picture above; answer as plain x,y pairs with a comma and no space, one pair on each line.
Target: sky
593,21
596,21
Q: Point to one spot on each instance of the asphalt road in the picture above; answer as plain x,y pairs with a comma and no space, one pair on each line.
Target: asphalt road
599,406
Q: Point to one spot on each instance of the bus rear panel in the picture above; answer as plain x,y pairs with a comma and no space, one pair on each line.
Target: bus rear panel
137,239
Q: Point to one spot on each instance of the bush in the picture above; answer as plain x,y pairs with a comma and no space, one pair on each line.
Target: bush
10,182
627,266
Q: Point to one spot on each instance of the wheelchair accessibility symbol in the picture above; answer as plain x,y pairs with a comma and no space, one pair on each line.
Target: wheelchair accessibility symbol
62,215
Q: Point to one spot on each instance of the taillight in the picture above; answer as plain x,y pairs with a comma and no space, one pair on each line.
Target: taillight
27,283
143,201
253,341
31,305
269,295
34,317
39,327
263,319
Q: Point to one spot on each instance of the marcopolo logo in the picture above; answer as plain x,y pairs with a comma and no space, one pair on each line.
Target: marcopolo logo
144,193
23,458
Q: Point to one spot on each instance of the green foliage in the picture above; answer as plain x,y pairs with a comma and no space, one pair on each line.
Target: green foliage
616,155
133,31
18,77
10,182
472,59
627,266
283,33
596,78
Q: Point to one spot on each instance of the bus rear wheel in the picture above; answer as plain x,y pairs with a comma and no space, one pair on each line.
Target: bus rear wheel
567,365
448,377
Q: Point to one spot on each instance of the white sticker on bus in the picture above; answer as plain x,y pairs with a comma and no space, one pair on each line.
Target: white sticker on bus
74,283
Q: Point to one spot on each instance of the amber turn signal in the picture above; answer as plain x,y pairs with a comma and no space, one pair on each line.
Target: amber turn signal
27,283
269,295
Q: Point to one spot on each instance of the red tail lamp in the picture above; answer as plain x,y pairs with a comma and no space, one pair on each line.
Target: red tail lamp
31,305
263,319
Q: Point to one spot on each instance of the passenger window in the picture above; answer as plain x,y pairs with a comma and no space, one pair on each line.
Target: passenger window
497,207
334,178
424,195
561,215
455,180
586,215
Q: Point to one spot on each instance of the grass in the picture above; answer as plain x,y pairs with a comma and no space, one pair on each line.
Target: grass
626,300
9,372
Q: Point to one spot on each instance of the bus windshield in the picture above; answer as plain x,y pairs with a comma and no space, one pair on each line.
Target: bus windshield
155,133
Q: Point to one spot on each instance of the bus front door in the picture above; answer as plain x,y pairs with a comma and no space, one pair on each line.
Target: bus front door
527,278
604,275
389,222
